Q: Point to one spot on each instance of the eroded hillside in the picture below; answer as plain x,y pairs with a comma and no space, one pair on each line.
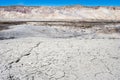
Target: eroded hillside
64,12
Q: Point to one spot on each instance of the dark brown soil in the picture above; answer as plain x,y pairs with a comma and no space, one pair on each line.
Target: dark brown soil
77,24
3,27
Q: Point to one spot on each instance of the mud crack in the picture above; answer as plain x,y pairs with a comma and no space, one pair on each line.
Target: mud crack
29,52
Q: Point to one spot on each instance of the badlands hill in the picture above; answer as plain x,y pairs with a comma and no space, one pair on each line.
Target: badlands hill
63,12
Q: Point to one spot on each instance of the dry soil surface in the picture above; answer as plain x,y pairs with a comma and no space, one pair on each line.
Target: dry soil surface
29,52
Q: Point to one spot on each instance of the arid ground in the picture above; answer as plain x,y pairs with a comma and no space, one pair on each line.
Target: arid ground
59,49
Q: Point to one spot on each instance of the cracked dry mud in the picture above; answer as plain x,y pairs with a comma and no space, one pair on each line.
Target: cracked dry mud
59,59
47,56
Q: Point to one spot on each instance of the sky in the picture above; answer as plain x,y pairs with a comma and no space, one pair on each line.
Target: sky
60,2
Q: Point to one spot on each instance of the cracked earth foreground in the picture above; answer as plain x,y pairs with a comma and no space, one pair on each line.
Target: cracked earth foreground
44,58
